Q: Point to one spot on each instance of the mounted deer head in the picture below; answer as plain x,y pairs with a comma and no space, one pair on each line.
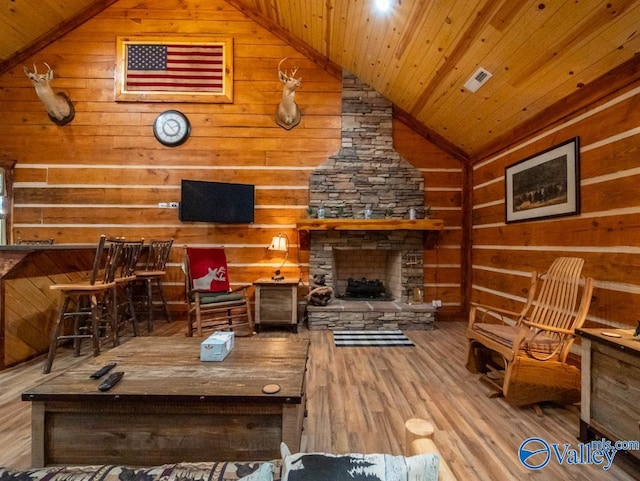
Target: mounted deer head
58,105
288,113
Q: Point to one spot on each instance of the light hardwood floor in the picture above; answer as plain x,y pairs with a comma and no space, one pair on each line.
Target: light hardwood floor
359,398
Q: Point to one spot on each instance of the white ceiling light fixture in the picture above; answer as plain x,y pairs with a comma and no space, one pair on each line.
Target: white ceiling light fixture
477,80
383,5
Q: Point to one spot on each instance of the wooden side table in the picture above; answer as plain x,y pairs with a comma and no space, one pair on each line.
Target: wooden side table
610,386
276,302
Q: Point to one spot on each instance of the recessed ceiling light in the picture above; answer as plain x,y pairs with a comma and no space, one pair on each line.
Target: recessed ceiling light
383,5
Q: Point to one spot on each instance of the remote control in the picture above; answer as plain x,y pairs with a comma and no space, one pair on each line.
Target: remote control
103,370
111,381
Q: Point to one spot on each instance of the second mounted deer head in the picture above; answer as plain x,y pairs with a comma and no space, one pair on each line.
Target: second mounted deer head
288,112
58,105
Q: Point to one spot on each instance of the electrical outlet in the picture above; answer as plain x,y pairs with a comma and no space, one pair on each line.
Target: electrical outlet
173,205
436,303
163,205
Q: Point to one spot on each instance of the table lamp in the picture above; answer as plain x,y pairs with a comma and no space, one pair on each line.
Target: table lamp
279,243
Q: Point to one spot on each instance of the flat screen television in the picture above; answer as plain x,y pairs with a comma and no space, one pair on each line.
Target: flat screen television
202,201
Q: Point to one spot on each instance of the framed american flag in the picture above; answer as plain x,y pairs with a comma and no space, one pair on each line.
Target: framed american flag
165,69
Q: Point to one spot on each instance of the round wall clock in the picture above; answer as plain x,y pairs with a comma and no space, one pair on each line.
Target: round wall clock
172,128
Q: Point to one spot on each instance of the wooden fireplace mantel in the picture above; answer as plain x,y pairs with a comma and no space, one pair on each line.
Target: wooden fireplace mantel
369,224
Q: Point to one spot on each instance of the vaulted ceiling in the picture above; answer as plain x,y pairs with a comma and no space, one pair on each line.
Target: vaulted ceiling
420,53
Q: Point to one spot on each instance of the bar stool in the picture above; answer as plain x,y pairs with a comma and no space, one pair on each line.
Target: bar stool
124,278
150,279
88,308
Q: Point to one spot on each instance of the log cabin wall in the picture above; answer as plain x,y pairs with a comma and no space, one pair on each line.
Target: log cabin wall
605,233
104,173
443,193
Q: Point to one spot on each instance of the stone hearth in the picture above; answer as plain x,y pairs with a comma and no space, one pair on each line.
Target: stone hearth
361,315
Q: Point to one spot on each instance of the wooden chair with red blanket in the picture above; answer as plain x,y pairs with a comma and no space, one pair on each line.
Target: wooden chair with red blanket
212,305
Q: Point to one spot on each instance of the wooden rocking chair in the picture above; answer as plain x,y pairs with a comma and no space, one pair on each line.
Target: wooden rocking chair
526,361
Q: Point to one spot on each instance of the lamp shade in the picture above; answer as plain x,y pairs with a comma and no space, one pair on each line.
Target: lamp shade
279,243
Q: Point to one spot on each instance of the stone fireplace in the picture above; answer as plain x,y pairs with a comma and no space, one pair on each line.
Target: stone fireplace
393,257
367,174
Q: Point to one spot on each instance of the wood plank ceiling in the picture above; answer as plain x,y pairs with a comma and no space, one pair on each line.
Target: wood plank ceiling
420,53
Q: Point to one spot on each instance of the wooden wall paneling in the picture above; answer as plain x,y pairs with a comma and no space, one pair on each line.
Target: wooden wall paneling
503,281
443,198
620,192
294,196
443,275
490,192
112,176
450,237
443,193
603,234
613,306
490,214
611,158
104,173
451,216
610,231
514,258
447,255
150,215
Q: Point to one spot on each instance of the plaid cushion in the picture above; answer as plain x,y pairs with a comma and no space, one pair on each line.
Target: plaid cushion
218,471
505,334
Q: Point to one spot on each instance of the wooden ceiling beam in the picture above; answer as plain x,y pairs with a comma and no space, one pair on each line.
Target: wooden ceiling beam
53,35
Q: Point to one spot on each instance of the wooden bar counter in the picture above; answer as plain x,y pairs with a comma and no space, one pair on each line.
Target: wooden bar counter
28,307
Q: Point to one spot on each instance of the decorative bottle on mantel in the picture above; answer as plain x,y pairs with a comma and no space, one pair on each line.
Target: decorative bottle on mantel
321,212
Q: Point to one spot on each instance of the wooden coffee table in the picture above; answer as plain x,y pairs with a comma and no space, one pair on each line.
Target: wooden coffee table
172,407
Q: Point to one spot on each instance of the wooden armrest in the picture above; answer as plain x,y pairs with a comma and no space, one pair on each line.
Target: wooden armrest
419,440
490,309
544,327
495,309
240,288
230,291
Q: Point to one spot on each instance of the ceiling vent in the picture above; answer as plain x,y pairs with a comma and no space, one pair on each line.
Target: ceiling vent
477,80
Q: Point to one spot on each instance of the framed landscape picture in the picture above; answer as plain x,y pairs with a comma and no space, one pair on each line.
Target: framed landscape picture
544,185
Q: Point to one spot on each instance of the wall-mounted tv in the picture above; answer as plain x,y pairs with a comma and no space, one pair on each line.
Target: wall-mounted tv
202,201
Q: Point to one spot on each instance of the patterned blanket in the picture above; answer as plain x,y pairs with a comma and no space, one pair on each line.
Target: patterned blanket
215,471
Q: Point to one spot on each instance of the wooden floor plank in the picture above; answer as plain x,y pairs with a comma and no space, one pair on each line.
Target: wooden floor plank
358,399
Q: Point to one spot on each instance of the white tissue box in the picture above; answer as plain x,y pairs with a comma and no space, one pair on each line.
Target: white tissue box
216,346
